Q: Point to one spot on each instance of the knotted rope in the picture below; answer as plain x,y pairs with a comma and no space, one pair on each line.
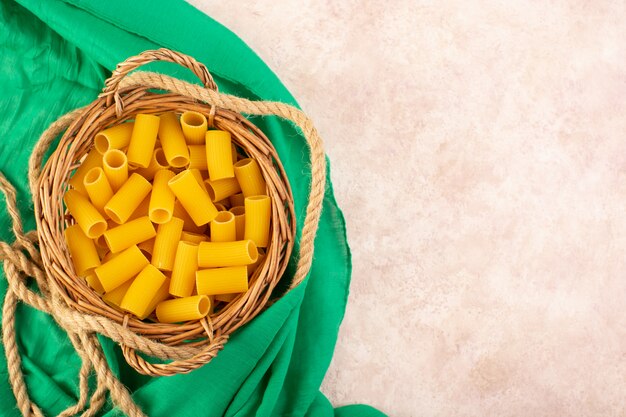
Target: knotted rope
22,261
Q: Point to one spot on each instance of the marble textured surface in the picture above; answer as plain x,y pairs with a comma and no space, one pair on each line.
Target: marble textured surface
479,156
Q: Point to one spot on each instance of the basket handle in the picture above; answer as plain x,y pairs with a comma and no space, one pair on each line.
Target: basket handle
112,84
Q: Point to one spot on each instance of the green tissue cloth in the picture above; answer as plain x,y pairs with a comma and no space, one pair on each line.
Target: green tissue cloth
54,57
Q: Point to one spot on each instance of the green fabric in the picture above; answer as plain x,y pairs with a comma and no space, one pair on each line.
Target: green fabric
54,57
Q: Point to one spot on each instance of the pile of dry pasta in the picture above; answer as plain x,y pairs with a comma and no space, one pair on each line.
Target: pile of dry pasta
168,217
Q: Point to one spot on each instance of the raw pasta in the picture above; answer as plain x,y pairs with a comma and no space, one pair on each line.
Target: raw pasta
218,254
116,137
183,309
228,280
143,139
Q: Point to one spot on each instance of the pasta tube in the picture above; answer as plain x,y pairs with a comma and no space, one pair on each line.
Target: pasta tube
147,247
193,198
194,126
157,162
189,225
183,309
197,157
193,237
253,267
142,210
92,281
219,156
126,200
82,250
128,234
165,244
219,207
121,268
240,221
184,271
218,254
86,215
143,139
92,160
98,188
249,177
114,297
162,198
115,167
223,227
161,295
258,210
236,200
142,290
228,280
116,137
224,188
173,141
198,176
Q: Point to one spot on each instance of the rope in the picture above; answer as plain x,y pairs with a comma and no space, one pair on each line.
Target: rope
22,260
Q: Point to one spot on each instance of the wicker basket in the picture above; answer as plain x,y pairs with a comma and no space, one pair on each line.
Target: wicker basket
115,105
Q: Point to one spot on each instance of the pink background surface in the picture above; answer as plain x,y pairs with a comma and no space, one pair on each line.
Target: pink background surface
479,156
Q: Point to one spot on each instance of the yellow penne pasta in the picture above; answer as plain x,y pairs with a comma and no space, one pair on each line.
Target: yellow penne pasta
122,267
227,298
194,126
249,177
193,237
98,188
189,225
115,166
114,297
240,221
143,289
157,162
198,176
142,210
233,279
184,271
116,137
183,309
193,198
258,211
219,155
221,189
218,254
253,267
220,207
86,215
223,227
128,234
162,294
143,139
165,243
162,198
82,250
197,157
173,141
94,283
236,200
92,160
126,200
147,247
